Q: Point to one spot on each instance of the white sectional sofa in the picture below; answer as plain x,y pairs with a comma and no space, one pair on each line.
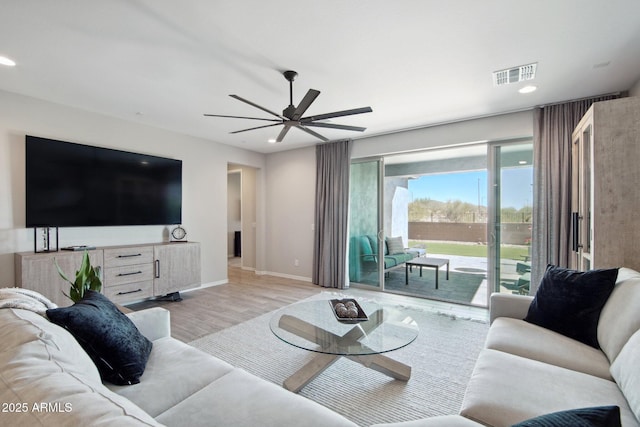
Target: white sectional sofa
526,371
47,379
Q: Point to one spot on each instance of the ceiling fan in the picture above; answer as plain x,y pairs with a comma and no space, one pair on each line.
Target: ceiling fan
292,115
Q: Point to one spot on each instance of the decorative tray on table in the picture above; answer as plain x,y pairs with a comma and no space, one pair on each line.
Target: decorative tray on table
348,310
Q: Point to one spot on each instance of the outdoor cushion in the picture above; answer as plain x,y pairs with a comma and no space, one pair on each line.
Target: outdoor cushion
395,246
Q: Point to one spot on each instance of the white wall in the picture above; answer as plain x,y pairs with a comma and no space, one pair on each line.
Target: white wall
204,179
635,89
494,128
290,195
290,191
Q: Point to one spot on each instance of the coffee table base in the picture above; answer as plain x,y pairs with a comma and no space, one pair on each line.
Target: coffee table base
323,360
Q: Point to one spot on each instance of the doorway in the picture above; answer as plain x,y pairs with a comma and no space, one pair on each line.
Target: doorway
241,216
444,203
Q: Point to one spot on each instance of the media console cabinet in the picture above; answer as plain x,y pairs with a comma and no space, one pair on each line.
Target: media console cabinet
129,273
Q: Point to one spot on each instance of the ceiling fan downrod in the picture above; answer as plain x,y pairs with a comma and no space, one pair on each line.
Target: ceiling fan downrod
290,76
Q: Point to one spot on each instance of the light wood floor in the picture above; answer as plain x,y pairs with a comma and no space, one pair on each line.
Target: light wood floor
247,295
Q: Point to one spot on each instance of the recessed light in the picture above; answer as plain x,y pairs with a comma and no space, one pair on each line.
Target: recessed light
6,61
527,89
522,162
271,141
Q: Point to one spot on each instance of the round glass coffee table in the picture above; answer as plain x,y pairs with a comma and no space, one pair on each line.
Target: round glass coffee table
313,326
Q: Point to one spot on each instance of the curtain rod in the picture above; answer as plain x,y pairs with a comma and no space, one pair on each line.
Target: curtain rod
619,93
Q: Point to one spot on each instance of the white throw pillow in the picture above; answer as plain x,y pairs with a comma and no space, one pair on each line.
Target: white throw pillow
626,373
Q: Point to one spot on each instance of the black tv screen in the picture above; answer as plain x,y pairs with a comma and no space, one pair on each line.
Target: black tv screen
75,185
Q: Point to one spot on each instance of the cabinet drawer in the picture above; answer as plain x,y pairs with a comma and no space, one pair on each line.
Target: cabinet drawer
118,257
128,292
128,274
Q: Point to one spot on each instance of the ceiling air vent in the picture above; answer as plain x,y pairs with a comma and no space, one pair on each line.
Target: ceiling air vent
514,75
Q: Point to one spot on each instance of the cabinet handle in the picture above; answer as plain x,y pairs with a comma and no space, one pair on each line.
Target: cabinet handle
129,274
576,229
157,275
129,292
128,256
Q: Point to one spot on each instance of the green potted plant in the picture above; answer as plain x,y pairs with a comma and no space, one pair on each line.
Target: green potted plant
87,278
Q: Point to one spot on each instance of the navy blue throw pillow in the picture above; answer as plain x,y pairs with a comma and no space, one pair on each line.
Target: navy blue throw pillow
569,302
118,349
600,416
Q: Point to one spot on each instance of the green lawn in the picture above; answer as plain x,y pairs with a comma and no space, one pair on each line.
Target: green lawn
470,249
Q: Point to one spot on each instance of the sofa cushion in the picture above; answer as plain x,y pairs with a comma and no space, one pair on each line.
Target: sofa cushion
113,342
505,389
241,399
45,368
525,339
19,327
627,374
620,316
186,369
569,301
395,245
600,416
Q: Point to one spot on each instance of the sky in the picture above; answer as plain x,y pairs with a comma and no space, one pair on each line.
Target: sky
471,187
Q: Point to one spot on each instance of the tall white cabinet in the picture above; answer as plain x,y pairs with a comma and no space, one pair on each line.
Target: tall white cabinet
129,273
606,186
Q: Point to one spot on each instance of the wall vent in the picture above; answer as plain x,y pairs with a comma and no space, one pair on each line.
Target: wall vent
514,75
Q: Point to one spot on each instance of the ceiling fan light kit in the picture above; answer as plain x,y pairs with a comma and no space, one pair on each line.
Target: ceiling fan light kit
292,115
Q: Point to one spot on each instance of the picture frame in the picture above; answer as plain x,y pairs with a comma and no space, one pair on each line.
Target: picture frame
45,239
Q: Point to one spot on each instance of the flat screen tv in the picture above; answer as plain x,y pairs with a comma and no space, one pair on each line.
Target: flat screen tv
75,185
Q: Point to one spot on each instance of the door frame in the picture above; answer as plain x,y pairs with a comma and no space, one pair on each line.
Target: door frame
380,222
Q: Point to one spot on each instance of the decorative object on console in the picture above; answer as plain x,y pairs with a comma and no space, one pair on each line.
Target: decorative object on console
87,278
116,346
178,234
45,239
569,302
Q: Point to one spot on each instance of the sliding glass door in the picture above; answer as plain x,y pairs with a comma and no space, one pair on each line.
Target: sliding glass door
510,211
365,219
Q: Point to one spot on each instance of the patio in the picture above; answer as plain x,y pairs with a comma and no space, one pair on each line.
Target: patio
467,284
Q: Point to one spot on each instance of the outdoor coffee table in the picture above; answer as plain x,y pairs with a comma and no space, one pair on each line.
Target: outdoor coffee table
425,262
312,326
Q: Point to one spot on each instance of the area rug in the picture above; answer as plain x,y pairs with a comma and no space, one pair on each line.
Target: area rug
461,286
442,359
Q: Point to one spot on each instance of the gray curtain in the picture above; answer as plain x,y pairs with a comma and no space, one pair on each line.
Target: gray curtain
333,162
552,128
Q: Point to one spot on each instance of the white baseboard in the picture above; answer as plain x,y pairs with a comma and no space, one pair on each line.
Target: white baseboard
286,276
208,285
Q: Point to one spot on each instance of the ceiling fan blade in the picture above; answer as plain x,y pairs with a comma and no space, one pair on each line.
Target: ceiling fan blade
335,126
282,133
246,101
242,117
258,127
336,114
310,132
308,99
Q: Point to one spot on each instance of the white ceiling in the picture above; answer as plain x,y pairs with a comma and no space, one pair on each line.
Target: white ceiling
415,62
